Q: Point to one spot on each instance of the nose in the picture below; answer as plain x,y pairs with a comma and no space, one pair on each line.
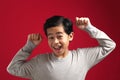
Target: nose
56,40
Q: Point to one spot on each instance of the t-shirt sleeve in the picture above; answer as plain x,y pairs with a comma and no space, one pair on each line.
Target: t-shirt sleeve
19,66
93,55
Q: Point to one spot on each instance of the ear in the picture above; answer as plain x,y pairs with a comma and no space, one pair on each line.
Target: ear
71,35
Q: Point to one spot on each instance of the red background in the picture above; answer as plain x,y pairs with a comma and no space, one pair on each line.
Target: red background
18,18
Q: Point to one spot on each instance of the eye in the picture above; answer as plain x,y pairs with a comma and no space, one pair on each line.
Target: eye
60,37
51,37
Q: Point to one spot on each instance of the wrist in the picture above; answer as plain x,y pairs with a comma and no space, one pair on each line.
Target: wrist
28,47
90,28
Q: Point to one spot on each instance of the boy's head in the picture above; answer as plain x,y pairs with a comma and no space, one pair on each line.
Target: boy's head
59,20
59,32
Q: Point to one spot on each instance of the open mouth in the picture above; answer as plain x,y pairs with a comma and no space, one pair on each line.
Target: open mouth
57,48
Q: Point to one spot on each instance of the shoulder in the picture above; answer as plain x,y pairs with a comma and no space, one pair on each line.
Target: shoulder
41,57
77,52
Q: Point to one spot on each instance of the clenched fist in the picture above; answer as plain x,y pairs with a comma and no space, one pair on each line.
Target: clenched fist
82,22
35,38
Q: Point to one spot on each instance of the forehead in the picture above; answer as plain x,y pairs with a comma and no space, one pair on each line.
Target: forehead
55,30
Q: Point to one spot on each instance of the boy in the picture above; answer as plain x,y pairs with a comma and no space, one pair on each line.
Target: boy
62,64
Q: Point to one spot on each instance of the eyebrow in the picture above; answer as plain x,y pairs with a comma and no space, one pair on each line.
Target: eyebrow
56,33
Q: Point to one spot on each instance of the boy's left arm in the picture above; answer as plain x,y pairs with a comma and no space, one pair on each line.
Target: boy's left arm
106,44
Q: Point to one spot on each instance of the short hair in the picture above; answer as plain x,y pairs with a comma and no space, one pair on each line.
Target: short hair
56,21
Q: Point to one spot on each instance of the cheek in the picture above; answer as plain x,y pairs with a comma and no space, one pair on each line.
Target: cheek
65,42
49,43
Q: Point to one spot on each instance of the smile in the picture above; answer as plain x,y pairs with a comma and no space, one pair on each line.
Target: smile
58,48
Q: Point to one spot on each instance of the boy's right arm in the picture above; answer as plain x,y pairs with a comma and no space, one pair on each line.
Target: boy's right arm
19,66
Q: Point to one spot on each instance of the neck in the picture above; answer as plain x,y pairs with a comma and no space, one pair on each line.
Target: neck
62,55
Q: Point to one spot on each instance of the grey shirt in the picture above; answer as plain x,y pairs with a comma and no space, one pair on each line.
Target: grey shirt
73,67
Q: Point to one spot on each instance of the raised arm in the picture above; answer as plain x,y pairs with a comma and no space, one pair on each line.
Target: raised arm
106,44
19,66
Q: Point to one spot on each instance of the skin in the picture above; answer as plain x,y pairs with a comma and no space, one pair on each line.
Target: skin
58,40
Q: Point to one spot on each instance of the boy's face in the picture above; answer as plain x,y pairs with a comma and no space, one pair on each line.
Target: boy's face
58,40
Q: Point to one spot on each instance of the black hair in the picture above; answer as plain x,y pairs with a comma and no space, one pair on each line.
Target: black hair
56,21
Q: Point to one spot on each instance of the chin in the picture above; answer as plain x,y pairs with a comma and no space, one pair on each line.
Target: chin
58,54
